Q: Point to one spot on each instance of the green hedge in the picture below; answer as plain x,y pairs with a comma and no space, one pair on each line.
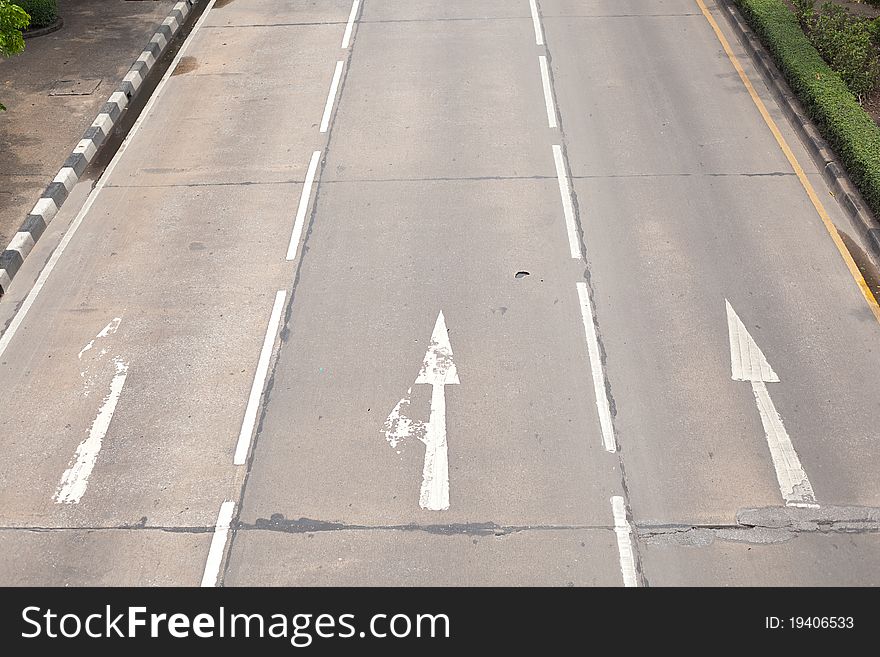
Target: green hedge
849,130
42,12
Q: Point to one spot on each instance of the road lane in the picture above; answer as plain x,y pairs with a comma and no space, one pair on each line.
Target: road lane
439,187
186,244
686,200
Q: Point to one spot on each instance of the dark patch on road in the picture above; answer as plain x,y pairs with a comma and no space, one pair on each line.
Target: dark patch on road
521,274
185,65
222,3
277,522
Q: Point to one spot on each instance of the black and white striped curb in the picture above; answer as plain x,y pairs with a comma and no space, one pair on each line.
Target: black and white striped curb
95,135
844,189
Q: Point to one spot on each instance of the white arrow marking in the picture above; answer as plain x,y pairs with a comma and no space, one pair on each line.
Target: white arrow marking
75,479
748,363
438,370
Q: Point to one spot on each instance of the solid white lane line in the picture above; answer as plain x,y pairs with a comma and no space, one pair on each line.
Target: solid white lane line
331,97
567,207
598,371
624,542
304,198
346,38
75,479
93,195
793,482
536,21
218,545
250,415
548,91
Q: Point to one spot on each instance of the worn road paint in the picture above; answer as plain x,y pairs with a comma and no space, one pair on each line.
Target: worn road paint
748,363
218,545
96,190
399,426
567,206
851,265
598,371
346,38
108,330
439,371
624,542
331,97
304,199
250,415
548,91
536,21
75,479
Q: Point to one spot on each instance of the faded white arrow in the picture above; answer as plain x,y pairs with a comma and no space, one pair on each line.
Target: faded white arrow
748,363
438,370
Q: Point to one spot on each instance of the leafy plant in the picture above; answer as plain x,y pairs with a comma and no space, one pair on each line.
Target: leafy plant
846,43
805,10
13,19
42,12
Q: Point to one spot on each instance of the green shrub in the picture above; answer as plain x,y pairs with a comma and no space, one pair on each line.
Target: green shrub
42,12
845,43
846,126
874,27
12,21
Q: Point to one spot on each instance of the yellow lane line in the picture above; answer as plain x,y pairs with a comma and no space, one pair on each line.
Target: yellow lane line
808,187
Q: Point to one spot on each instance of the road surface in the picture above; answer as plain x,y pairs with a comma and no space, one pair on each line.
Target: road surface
446,293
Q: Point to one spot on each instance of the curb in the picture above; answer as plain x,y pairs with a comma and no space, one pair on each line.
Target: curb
833,172
51,200
41,31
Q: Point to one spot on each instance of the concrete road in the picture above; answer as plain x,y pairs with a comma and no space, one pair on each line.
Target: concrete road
430,293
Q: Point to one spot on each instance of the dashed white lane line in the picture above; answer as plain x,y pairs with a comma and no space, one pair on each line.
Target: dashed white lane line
250,415
598,371
346,38
548,92
331,97
536,21
567,206
218,545
303,205
75,479
624,542
93,195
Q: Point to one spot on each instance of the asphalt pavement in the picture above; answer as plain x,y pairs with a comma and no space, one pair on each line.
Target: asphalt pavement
445,293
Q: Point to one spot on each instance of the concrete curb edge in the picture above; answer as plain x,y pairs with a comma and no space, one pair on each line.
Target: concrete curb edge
844,190
53,197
